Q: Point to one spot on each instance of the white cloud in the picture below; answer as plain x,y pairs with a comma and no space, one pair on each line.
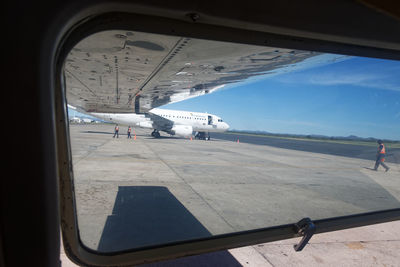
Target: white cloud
378,81
357,79
334,79
371,75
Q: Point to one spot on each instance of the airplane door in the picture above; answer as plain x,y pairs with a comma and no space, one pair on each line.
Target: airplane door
210,120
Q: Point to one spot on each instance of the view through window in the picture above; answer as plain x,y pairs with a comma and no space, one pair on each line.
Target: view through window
177,138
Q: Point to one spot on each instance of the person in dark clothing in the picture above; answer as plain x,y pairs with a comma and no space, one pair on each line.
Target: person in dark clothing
380,156
116,130
129,132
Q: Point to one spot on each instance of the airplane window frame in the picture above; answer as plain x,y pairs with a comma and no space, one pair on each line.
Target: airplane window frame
81,254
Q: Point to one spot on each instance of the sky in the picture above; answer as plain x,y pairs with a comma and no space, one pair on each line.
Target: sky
333,96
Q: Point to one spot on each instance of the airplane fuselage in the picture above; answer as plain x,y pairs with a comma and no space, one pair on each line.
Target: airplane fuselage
199,121
166,120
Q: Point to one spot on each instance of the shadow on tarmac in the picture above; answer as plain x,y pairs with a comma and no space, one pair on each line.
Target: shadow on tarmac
98,132
146,136
150,215
145,216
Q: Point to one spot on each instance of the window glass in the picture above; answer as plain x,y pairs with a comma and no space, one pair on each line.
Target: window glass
299,137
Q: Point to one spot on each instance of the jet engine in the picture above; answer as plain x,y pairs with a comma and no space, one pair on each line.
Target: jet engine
182,130
145,124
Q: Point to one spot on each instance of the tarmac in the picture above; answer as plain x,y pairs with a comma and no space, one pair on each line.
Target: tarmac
331,147
127,188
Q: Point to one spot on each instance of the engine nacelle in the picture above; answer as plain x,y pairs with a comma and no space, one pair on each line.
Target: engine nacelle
145,124
182,130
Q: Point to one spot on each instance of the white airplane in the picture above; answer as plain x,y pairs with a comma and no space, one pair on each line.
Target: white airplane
174,122
87,120
76,120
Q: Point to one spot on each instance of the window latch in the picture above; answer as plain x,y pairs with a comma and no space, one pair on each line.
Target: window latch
305,228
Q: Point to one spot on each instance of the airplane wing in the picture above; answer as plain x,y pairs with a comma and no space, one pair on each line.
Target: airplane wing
125,71
160,123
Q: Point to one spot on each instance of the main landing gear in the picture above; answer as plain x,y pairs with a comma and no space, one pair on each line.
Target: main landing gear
203,136
155,133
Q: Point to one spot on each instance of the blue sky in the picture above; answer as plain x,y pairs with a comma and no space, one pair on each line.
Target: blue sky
335,96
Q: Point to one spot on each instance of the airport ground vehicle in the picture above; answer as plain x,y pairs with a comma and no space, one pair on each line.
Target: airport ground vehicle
35,34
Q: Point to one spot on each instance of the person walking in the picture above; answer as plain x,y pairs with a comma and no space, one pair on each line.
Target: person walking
129,132
116,130
380,156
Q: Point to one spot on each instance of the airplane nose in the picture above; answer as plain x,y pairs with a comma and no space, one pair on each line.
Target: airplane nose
226,126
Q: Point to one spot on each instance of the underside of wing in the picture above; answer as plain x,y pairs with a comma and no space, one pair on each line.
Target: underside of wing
159,122
123,71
